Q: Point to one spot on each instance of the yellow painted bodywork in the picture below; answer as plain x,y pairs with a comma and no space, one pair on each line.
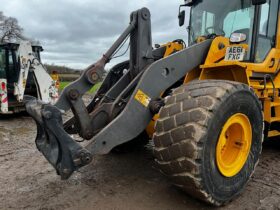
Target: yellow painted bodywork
234,145
172,47
215,67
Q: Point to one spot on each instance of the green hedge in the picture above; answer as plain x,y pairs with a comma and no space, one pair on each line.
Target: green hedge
64,84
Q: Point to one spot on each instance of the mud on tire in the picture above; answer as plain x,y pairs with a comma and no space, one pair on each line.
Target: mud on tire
187,132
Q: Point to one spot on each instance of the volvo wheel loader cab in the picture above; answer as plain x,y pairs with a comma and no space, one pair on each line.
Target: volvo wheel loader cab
20,69
212,103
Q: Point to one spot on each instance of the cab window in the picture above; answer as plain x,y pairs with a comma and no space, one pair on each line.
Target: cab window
267,29
208,22
232,22
13,68
2,63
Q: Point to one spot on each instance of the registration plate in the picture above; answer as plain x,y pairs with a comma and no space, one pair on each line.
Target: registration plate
235,53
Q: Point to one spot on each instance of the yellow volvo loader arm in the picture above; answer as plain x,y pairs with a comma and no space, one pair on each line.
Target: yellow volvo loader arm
212,103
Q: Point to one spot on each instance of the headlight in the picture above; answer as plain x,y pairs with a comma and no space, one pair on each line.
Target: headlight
237,37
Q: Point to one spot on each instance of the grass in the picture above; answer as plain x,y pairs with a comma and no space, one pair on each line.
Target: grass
92,90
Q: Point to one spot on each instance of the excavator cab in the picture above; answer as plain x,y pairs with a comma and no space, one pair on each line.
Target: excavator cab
10,75
10,71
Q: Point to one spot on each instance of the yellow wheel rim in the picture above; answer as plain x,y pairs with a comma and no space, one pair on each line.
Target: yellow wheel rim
234,145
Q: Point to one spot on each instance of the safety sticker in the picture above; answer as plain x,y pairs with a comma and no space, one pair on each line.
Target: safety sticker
3,96
143,98
24,83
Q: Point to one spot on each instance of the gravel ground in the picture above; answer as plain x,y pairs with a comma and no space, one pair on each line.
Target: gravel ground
114,181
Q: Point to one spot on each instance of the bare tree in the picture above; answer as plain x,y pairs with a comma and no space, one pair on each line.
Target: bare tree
9,29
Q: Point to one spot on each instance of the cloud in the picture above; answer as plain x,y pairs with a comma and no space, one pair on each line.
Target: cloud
77,33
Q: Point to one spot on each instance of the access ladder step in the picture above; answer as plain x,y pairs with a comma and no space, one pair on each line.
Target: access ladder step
273,133
275,103
275,119
262,87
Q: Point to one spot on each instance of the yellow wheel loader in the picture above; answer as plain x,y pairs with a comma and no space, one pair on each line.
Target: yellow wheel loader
207,107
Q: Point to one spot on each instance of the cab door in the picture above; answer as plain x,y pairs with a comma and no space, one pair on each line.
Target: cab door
268,22
12,68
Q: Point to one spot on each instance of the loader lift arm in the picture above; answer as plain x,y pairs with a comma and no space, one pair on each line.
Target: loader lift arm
120,111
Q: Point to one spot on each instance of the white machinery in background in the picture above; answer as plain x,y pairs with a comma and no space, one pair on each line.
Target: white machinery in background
22,73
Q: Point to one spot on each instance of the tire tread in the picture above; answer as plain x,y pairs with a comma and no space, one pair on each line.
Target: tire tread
184,120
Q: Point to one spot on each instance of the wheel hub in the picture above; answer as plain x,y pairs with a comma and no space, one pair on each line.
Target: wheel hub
234,145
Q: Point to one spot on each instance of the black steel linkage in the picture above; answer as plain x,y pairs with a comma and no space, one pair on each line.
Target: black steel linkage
136,115
119,112
93,74
63,152
141,55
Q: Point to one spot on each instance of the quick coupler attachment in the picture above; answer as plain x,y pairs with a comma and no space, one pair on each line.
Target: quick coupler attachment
64,153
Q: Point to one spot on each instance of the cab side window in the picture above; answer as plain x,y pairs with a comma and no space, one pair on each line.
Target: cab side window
13,70
207,22
267,29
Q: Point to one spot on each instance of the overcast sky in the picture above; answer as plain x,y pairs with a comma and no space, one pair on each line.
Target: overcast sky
75,33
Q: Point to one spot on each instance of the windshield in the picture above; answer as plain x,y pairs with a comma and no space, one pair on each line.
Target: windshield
2,64
215,17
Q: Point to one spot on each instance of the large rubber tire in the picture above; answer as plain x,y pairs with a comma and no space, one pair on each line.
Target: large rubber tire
187,132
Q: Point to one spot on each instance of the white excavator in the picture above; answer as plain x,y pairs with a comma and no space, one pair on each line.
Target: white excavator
22,74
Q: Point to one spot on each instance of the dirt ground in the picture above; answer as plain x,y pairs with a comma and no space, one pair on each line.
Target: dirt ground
115,181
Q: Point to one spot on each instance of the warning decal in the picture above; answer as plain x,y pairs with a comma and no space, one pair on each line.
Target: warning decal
142,98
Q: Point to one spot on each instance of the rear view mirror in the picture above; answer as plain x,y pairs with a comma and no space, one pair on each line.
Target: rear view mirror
258,2
189,2
181,18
